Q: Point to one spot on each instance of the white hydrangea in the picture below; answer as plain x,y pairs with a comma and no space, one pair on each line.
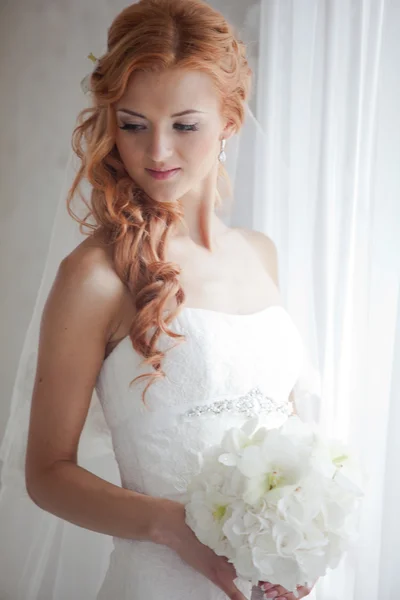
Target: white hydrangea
280,504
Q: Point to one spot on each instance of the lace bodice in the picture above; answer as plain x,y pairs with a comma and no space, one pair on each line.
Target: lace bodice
229,368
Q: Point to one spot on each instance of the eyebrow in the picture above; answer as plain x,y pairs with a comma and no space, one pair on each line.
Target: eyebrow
180,114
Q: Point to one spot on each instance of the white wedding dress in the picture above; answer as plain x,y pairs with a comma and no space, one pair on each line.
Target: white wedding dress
230,367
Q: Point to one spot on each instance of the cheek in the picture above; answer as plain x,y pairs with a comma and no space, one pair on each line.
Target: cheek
130,153
200,152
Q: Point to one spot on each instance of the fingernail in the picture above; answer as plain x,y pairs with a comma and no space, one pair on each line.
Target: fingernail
267,586
272,594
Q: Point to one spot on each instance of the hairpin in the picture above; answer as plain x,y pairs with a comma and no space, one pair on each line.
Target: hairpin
85,83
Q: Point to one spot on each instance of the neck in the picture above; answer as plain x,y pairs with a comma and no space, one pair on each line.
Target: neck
201,224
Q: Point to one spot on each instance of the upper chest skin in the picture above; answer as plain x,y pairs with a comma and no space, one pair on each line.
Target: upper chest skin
233,278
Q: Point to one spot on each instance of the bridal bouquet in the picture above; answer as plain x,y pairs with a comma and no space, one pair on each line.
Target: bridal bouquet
281,504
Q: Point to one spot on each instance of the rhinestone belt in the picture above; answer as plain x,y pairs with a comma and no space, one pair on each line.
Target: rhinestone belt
251,404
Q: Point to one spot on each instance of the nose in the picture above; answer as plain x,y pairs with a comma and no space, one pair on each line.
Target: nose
160,146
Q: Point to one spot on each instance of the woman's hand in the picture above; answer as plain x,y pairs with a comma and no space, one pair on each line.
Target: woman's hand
277,592
177,535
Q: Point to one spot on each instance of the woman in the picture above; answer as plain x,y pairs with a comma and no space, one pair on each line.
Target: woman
163,290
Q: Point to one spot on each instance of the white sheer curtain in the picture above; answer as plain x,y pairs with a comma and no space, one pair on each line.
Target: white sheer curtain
328,98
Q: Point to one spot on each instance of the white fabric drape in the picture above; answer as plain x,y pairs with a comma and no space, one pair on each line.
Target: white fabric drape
328,98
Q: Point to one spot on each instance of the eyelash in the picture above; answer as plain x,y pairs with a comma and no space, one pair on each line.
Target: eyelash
187,128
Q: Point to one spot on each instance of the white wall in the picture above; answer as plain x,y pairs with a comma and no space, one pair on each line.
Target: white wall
43,50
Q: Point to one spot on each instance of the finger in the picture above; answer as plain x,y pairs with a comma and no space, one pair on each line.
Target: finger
275,591
266,585
234,593
304,591
224,581
231,590
301,589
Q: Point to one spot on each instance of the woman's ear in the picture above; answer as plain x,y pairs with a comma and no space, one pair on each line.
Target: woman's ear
228,131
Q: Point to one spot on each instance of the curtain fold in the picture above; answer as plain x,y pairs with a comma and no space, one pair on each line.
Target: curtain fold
328,93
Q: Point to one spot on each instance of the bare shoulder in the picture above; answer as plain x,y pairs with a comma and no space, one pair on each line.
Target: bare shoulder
78,320
87,275
92,253
266,249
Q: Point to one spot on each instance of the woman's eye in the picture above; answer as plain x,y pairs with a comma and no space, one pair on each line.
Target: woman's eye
130,127
187,127
179,126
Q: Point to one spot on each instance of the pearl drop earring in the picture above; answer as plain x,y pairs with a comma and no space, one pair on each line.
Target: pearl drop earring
222,155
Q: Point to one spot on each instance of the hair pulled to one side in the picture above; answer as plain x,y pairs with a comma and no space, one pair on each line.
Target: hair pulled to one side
151,35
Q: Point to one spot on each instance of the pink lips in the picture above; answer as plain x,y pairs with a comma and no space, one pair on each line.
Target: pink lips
162,174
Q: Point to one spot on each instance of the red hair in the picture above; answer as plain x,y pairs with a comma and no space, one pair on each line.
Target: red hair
152,35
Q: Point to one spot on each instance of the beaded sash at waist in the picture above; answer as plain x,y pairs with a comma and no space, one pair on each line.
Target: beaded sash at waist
250,404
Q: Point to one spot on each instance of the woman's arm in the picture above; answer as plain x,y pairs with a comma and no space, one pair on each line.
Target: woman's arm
80,497
80,315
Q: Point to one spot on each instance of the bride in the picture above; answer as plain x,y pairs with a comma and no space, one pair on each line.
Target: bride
163,309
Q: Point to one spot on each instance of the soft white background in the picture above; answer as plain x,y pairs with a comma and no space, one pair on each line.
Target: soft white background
328,98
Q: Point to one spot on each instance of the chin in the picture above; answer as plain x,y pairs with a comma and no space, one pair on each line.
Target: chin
166,200
160,192
162,196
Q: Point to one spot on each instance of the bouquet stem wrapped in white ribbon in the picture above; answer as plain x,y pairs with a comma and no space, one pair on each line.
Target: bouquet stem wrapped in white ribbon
281,504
